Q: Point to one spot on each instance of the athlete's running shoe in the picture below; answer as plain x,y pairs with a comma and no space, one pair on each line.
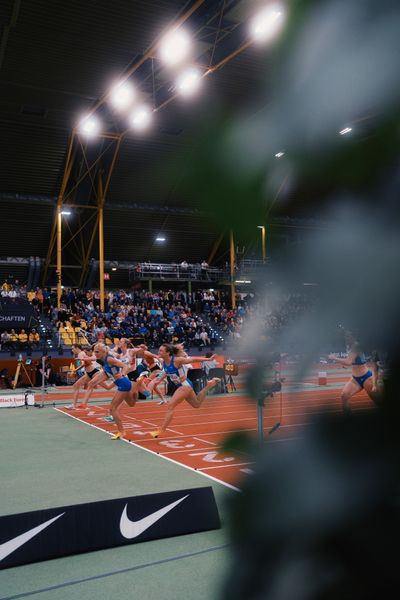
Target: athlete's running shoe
155,434
116,436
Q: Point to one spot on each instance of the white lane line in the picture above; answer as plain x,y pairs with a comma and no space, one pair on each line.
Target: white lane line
226,466
185,450
175,462
151,424
204,441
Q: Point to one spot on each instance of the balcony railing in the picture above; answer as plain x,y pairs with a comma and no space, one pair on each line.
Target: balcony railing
171,271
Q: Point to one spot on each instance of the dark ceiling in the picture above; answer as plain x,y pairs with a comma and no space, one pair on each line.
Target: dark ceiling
56,59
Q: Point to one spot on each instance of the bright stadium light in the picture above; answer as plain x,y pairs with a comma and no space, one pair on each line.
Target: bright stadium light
345,131
160,238
140,117
66,212
188,82
89,126
175,47
266,24
122,95
279,154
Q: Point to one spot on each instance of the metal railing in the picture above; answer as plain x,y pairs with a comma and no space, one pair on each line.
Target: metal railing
171,271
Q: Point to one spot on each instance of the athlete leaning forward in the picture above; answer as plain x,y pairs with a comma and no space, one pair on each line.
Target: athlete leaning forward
364,373
87,362
127,390
175,366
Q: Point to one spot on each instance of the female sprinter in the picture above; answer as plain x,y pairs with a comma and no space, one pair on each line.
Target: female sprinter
172,366
362,377
152,364
126,389
87,359
128,353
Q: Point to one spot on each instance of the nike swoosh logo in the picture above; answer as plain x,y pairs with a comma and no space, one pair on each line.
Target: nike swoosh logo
131,529
9,547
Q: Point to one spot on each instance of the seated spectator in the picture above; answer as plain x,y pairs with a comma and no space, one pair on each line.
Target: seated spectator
13,293
13,339
34,338
30,295
22,340
184,265
205,340
5,341
39,298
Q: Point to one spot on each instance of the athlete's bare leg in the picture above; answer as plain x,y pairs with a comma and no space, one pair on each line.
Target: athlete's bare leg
350,389
79,383
181,394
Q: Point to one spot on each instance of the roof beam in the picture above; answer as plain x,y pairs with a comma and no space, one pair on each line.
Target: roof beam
52,201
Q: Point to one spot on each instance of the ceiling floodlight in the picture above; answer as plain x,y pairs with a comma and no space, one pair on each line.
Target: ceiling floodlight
345,130
279,154
122,95
267,23
188,82
113,268
66,212
89,126
141,117
160,238
175,46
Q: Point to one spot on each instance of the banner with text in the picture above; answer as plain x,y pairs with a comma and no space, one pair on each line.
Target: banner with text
51,533
13,401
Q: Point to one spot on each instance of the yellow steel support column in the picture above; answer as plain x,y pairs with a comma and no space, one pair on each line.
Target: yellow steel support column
59,256
215,248
263,244
232,256
101,258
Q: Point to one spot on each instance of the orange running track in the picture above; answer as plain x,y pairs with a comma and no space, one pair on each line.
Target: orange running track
195,435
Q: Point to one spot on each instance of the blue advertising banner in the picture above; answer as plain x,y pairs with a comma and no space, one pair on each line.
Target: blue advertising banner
17,315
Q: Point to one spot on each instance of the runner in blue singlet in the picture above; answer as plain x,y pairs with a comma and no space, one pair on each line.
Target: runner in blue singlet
362,377
173,360
117,370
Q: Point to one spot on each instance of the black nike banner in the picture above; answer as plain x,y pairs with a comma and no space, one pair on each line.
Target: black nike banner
51,533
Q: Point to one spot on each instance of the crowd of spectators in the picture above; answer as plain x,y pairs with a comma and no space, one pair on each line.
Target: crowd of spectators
19,341
22,339
202,318
153,317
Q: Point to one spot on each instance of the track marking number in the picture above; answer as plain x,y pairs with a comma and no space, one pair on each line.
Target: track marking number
211,457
